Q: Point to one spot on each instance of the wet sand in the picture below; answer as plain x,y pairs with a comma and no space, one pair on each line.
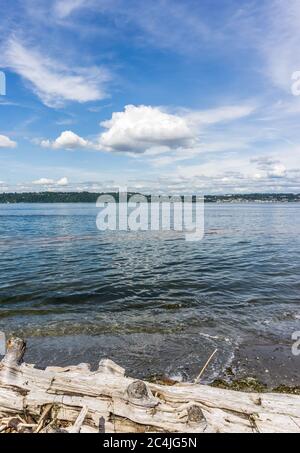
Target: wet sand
270,364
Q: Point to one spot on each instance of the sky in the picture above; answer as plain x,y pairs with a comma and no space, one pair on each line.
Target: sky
173,96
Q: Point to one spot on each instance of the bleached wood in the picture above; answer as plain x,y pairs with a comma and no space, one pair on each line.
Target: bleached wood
79,421
113,402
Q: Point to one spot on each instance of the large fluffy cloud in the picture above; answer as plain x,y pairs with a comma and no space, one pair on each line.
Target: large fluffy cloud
139,128
154,130
6,142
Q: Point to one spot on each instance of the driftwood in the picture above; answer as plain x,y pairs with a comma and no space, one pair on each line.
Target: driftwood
76,399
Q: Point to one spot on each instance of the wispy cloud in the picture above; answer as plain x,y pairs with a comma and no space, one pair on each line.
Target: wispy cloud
269,167
221,114
169,24
281,42
64,8
52,81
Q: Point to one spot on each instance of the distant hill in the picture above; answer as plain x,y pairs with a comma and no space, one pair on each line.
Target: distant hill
90,197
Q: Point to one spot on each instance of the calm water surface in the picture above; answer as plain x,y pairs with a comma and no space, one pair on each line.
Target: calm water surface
151,301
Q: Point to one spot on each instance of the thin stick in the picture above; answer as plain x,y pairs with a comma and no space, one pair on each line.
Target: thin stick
79,421
46,411
205,366
27,425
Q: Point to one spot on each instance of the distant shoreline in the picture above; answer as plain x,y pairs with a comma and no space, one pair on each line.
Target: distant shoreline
91,197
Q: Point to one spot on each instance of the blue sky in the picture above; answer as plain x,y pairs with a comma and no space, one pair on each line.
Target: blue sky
164,95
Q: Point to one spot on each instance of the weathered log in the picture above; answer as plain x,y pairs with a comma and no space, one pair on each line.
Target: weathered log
15,350
75,399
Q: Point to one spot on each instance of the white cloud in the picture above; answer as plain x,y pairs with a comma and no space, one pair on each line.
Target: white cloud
140,128
239,174
220,114
163,23
202,148
6,142
53,82
64,8
51,182
152,131
284,57
62,182
271,168
278,23
277,171
43,182
66,140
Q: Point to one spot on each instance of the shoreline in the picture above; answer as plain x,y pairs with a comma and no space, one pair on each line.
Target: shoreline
268,364
8,198
74,399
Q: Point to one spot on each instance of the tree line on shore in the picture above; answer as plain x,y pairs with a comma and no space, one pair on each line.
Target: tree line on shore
91,197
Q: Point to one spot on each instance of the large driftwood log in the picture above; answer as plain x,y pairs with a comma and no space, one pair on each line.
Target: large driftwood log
79,400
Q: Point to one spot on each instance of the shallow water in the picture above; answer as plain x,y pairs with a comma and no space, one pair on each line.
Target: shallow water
151,300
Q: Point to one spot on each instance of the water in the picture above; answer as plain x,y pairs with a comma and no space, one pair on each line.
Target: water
149,300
